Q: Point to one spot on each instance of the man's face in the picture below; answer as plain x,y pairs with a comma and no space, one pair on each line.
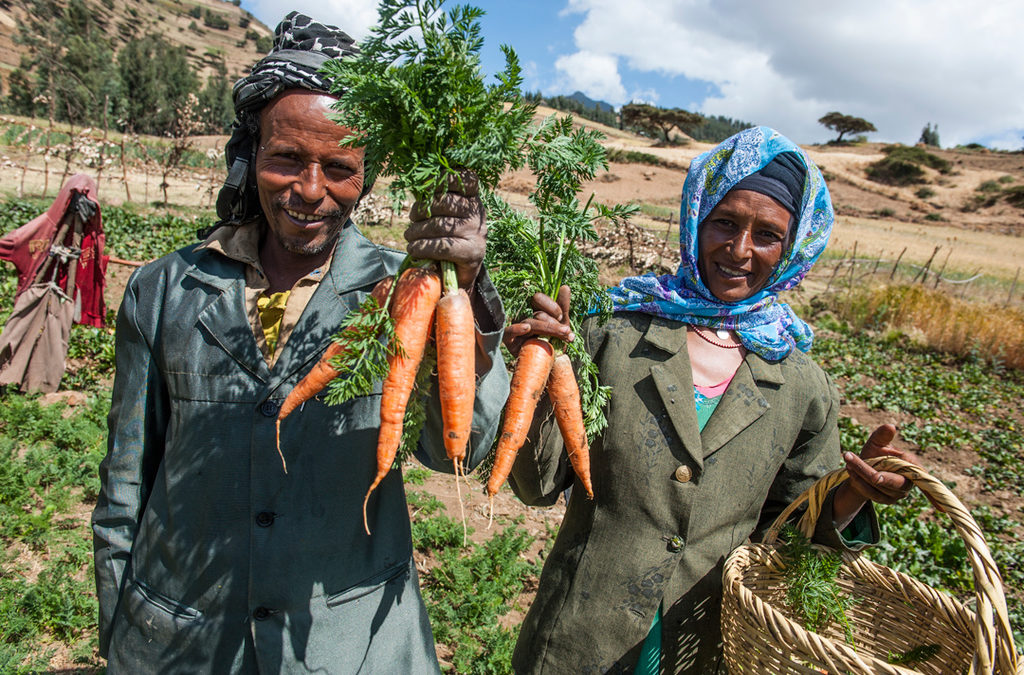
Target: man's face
308,185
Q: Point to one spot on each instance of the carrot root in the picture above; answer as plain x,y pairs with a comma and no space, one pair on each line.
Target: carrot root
456,373
413,306
321,373
564,393
531,372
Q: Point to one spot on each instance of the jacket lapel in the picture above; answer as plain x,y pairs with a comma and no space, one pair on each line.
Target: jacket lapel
225,318
673,380
356,265
742,404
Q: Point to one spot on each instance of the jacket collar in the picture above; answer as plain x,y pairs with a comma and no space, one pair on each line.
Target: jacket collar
741,405
357,264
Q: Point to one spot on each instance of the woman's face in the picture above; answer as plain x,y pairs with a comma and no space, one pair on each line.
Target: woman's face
740,243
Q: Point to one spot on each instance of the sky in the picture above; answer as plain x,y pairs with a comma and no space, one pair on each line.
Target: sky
785,63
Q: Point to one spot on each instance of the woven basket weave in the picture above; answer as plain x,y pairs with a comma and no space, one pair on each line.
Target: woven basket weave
893,613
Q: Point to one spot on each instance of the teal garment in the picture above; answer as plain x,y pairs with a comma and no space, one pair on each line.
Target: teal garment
209,557
650,654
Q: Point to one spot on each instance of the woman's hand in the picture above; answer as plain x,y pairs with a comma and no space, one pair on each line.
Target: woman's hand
550,319
865,483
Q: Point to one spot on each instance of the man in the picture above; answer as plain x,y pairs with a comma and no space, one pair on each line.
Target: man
209,558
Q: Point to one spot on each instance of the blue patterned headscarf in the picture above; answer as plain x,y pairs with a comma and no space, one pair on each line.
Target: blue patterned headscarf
764,325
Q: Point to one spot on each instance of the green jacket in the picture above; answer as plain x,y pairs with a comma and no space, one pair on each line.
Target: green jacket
209,558
670,502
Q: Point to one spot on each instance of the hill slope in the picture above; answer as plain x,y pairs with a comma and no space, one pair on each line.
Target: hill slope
174,20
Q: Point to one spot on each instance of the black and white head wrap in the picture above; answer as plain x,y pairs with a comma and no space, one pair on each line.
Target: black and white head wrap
301,47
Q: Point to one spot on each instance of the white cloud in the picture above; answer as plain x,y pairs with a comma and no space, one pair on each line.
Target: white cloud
897,63
355,17
596,75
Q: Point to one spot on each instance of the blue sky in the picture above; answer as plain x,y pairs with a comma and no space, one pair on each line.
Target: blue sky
898,63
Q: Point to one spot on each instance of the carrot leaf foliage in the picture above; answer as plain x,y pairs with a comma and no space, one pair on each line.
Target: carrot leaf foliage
419,102
527,253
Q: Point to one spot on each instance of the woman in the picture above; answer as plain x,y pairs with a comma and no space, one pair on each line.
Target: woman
717,421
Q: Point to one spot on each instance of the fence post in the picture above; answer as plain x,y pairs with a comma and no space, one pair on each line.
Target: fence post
896,264
938,277
1013,287
924,270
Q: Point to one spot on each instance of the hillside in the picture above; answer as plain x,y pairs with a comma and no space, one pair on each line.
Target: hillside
174,20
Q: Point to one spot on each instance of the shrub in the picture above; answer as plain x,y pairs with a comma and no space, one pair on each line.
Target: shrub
934,216
885,212
196,12
918,156
243,21
264,43
1015,196
891,171
925,193
214,20
1007,179
989,186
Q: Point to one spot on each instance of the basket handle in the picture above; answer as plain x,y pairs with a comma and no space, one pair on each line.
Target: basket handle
994,645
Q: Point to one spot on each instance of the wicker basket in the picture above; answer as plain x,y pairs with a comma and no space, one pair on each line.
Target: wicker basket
894,613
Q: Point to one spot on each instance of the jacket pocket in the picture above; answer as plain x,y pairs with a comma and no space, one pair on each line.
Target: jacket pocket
396,572
156,614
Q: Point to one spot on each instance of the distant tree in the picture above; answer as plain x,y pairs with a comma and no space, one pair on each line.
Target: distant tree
264,43
657,121
716,128
157,79
846,124
215,20
930,135
68,61
216,110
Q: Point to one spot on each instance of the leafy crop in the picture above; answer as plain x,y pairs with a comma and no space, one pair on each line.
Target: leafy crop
811,588
957,404
49,464
529,254
418,100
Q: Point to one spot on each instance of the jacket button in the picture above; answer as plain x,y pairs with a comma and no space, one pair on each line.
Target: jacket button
269,408
675,544
261,613
683,474
264,518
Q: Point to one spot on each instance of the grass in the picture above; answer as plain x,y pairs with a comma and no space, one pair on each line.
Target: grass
940,321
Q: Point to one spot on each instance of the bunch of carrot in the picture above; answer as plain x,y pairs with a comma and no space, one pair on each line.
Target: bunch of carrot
417,309
527,255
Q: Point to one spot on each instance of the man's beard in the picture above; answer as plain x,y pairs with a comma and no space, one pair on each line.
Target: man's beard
334,221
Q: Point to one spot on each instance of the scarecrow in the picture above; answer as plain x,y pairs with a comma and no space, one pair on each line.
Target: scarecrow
61,275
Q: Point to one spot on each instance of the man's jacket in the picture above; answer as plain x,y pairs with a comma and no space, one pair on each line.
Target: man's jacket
209,557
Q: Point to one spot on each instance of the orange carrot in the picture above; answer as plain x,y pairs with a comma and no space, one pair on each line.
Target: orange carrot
412,308
322,372
565,399
456,373
531,372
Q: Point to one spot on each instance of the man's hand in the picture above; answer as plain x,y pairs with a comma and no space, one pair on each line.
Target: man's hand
550,319
867,484
455,230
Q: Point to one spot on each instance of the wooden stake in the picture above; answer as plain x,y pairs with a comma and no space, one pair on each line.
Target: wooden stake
938,277
924,270
1013,286
896,264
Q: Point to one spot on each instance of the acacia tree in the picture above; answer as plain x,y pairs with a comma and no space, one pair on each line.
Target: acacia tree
846,124
657,121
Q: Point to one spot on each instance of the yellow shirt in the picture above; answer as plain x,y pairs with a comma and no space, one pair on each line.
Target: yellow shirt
272,317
